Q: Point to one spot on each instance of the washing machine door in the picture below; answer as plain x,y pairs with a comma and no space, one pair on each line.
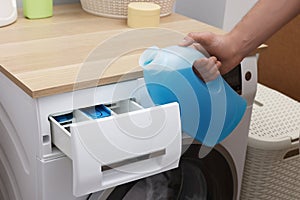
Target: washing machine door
211,177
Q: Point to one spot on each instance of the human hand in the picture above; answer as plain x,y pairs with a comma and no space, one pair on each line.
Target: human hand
219,46
207,69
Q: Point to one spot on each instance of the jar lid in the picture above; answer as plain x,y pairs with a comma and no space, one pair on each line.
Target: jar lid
144,8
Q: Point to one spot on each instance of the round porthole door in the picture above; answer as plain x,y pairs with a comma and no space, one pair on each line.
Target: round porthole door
208,178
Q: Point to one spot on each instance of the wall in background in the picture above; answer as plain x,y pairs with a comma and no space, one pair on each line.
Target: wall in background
279,64
210,12
234,11
220,13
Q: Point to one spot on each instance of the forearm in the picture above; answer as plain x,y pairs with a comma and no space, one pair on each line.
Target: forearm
262,21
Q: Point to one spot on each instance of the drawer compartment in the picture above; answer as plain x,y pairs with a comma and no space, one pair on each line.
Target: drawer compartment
116,143
96,112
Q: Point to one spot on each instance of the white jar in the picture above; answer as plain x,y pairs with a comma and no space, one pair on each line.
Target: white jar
8,12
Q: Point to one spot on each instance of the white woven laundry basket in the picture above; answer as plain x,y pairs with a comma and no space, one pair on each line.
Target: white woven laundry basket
118,8
272,168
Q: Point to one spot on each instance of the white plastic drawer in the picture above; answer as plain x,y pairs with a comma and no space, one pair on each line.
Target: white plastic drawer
130,144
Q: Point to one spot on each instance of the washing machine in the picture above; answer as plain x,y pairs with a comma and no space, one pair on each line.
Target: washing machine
181,169
203,173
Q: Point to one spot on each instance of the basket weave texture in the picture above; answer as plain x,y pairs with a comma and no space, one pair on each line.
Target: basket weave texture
118,8
267,173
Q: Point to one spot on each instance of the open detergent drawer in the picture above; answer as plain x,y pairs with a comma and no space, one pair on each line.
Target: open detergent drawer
117,143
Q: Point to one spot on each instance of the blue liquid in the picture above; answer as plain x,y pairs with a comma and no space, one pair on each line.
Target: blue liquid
99,111
199,117
64,118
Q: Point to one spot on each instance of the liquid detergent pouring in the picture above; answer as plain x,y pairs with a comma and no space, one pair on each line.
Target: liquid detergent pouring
209,111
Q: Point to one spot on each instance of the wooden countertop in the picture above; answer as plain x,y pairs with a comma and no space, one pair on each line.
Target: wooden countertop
66,52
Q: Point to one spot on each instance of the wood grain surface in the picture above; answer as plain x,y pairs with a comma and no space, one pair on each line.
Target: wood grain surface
75,50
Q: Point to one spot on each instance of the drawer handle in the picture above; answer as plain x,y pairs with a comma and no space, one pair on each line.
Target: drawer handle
291,153
133,160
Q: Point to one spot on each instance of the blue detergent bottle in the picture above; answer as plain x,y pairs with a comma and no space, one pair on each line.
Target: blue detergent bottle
209,111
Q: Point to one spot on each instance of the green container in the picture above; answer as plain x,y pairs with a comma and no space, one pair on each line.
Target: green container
36,9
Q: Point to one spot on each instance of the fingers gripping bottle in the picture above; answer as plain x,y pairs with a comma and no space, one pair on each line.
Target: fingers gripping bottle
209,111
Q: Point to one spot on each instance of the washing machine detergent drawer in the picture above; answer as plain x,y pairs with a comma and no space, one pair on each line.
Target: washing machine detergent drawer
117,143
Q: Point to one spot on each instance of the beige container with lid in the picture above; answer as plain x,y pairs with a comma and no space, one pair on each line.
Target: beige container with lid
143,14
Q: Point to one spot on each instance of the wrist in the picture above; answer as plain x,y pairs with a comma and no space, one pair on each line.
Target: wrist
237,45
